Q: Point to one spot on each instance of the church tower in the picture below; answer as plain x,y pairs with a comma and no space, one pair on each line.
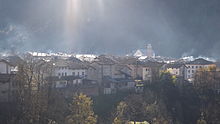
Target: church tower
150,52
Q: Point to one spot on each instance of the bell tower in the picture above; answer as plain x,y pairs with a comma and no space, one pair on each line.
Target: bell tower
150,52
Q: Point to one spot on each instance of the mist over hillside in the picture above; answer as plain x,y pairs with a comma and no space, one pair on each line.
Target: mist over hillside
173,27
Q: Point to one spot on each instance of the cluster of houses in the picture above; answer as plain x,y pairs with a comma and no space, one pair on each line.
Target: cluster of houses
103,74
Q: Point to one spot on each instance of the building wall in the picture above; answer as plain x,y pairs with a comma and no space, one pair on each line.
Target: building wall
98,70
191,70
136,71
108,70
64,83
103,70
92,74
61,84
127,70
174,71
147,74
68,72
5,68
120,68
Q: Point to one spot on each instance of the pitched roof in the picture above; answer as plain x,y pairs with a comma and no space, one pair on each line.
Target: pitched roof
70,64
5,61
200,61
150,63
14,60
174,65
104,60
127,60
74,59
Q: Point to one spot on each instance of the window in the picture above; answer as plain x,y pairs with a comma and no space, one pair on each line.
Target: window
59,74
62,74
73,73
196,66
78,74
65,74
188,71
192,66
192,71
83,73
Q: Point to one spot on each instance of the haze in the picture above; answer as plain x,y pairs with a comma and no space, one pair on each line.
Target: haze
173,27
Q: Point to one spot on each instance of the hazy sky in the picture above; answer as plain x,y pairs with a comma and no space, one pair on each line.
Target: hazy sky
173,27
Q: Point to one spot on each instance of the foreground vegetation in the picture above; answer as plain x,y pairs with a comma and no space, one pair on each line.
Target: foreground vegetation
163,102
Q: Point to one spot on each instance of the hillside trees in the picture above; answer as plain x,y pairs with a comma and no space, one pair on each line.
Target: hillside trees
36,98
206,85
32,98
81,111
120,114
140,108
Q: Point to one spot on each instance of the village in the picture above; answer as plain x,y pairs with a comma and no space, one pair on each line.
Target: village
103,74
109,62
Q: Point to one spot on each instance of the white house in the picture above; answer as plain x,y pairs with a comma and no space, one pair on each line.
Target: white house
5,67
193,66
69,68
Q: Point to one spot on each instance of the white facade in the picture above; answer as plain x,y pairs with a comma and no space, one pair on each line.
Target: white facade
192,68
5,68
65,71
150,52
